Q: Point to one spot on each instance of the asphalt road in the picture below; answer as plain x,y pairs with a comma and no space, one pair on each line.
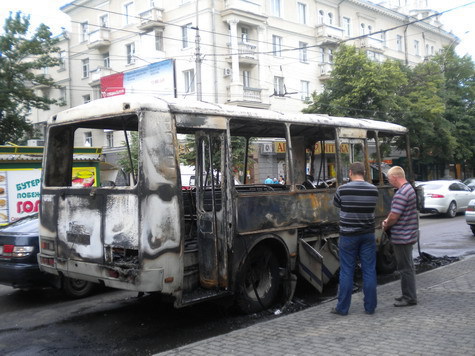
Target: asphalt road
118,323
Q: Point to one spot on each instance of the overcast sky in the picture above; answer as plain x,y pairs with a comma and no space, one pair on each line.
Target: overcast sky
461,21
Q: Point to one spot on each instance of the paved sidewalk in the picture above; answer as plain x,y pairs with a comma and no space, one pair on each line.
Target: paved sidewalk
443,323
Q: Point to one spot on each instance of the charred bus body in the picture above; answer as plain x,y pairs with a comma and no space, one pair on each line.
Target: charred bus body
217,238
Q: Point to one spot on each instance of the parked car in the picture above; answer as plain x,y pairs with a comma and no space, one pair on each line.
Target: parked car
19,245
470,182
470,215
447,197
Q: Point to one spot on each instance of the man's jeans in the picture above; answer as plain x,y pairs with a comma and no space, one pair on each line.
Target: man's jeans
351,247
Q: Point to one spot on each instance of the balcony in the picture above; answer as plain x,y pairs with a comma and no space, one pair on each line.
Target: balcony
371,43
96,75
99,38
246,6
151,19
246,51
325,70
246,96
328,34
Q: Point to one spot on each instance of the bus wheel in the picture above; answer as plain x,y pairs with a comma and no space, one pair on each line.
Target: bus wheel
77,288
258,281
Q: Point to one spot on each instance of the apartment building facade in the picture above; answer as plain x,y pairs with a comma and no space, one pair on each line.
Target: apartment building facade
256,53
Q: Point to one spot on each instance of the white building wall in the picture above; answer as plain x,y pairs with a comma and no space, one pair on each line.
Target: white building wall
223,73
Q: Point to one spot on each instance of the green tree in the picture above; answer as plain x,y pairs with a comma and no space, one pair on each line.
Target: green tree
424,115
21,55
360,87
459,99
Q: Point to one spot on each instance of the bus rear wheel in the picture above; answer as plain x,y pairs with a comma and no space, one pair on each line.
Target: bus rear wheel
258,281
77,288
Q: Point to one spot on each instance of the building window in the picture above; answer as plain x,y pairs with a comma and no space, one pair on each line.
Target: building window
106,60
347,26
86,98
109,138
130,48
185,36
304,90
244,34
431,50
279,89
104,21
383,38
362,29
275,6
330,56
88,139
321,17
62,60
83,31
302,10
330,18
399,43
246,78
303,52
85,67
276,46
189,78
159,40
370,29
128,13
416,47
62,94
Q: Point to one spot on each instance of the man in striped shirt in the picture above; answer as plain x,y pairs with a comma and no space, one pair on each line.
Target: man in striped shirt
357,202
403,222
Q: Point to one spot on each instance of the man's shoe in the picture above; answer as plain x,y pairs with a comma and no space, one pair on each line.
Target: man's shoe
399,299
335,311
405,303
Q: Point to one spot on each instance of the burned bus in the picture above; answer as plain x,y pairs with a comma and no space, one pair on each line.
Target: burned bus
216,238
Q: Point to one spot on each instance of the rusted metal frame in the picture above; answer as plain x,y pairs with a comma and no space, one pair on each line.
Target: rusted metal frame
378,157
409,159
129,152
213,194
246,158
289,159
367,167
339,175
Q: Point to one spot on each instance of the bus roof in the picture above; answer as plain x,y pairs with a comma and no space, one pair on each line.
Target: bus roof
131,103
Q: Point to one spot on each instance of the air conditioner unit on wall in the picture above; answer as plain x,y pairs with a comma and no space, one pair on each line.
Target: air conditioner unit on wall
35,142
267,148
227,72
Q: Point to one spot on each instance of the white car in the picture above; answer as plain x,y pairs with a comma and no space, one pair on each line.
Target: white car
470,215
447,197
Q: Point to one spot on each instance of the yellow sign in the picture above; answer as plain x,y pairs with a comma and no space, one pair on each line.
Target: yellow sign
84,177
281,147
330,148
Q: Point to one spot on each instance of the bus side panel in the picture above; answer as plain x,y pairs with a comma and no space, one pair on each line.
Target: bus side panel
256,212
162,220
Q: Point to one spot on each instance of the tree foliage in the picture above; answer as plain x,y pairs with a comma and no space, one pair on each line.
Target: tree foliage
434,100
21,57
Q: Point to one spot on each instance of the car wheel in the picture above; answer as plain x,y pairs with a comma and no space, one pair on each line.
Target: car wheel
452,211
473,229
77,288
258,281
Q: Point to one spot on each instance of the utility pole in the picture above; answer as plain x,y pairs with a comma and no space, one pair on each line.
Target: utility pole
198,58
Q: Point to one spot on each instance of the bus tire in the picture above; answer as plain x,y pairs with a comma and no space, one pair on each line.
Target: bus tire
77,288
259,273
